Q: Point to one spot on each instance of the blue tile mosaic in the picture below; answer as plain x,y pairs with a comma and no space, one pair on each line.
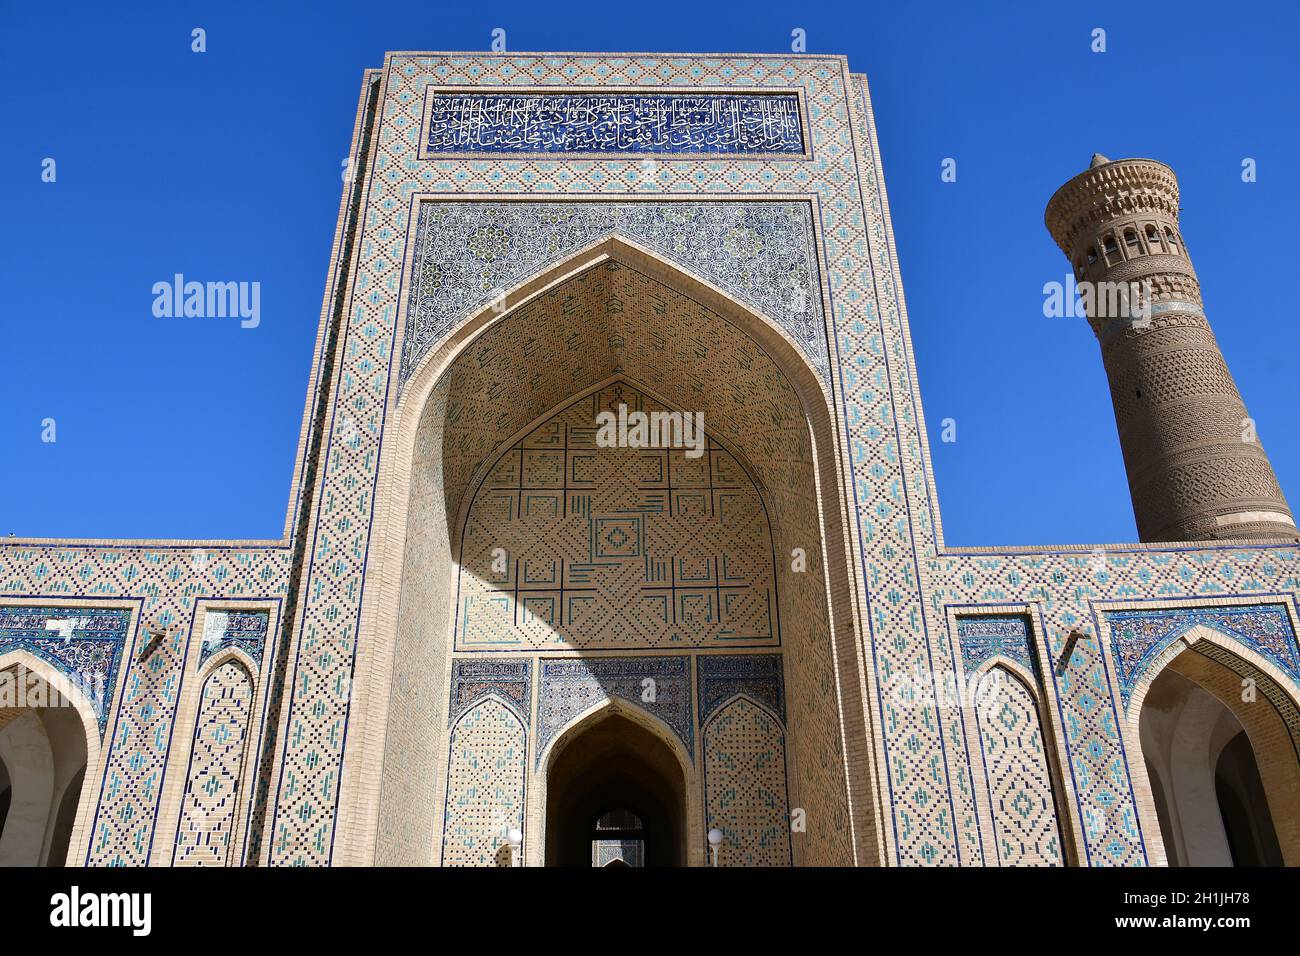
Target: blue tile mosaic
725,124
659,685
245,630
472,680
469,253
1138,637
758,676
985,636
85,644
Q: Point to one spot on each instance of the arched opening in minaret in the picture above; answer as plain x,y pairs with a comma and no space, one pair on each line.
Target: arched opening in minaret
43,757
1209,797
615,793
551,572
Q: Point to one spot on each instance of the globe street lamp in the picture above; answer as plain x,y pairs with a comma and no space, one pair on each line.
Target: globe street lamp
715,843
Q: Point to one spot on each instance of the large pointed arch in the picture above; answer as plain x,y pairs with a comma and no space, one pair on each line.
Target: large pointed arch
616,248
1265,701
600,711
422,485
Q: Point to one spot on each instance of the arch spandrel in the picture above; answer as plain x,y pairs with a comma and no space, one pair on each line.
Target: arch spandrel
607,318
1236,651
762,253
549,749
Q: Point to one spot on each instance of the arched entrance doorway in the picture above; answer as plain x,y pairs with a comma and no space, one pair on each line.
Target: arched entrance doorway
615,793
1206,785
43,758
488,595
1217,732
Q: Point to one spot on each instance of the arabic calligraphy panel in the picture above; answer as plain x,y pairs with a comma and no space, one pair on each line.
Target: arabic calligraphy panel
613,123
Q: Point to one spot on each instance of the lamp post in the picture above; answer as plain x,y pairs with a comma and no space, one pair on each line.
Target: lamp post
514,840
715,843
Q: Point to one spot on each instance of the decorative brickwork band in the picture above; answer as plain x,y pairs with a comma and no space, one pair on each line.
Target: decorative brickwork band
1196,469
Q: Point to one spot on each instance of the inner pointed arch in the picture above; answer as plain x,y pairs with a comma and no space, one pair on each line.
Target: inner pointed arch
576,538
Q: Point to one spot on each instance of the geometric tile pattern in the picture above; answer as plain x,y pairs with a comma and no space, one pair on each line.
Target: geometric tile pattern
467,254
1019,783
245,630
474,679
1139,636
745,786
209,809
164,582
658,685
1072,588
83,644
485,786
988,636
891,516
312,756
613,122
894,518
571,545
758,676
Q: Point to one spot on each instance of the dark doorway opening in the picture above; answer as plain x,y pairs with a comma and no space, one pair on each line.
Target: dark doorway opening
615,781
1209,795
1252,840
618,840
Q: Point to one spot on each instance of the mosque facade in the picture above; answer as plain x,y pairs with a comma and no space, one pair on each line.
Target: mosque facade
613,536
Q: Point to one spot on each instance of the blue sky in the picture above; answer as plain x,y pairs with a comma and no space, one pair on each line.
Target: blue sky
226,165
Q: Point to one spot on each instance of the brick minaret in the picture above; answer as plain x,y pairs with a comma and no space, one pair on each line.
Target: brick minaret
1194,469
